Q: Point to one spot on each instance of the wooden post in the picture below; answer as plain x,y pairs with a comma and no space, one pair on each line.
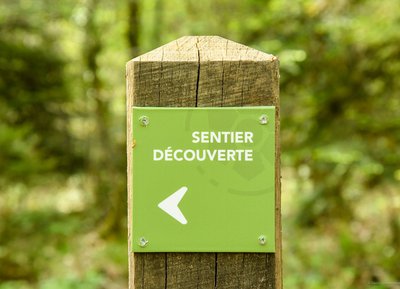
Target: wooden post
198,71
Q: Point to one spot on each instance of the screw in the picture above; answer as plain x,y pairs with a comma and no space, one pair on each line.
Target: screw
263,119
144,120
262,240
143,242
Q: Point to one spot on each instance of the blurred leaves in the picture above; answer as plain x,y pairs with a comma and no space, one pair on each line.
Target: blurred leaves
34,136
62,133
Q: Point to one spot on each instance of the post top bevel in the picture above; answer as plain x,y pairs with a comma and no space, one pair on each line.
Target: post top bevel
204,48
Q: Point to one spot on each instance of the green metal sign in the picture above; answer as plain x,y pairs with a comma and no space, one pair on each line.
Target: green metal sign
203,179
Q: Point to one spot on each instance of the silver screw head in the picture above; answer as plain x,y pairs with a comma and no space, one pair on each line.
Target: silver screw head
143,242
262,240
263,119
144,120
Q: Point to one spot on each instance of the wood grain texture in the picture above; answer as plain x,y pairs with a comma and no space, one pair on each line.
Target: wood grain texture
204,71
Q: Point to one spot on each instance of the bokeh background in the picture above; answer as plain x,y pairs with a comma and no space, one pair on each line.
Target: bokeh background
62,133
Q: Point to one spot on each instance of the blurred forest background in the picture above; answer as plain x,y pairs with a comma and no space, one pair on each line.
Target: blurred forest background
62,133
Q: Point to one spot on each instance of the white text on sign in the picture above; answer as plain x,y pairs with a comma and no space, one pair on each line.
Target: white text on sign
221,155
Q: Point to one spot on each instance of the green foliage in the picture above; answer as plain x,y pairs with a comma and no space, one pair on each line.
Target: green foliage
91,280
62,133
34,98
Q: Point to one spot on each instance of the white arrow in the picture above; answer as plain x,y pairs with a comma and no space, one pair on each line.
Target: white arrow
170,205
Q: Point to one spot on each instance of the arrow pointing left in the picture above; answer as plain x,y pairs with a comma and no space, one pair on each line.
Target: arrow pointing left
170,205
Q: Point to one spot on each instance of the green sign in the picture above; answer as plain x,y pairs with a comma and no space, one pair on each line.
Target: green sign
203,179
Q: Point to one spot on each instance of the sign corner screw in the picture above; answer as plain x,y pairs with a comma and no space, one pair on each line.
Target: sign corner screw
263,119
262,240
144,120
143,242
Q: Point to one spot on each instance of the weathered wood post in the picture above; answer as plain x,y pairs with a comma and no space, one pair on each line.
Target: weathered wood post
202,71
